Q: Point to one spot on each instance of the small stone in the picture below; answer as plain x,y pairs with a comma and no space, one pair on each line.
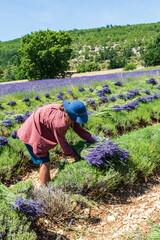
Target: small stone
111,218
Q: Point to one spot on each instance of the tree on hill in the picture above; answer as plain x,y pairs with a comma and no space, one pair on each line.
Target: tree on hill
45,54
152,55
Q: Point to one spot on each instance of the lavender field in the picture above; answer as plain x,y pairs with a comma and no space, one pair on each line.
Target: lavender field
124,116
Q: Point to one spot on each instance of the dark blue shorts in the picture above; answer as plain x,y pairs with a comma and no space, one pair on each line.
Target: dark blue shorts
36,159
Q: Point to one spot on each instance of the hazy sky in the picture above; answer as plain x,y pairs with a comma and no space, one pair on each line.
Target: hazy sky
20,17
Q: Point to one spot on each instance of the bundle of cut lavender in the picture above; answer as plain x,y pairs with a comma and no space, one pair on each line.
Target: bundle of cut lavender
102,152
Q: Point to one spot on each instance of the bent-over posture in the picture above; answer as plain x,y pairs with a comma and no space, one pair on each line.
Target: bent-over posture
46,127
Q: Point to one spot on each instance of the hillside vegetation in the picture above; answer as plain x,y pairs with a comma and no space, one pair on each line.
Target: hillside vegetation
92,49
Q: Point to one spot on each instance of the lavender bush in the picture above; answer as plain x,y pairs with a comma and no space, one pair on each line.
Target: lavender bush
113,99
11,103
152,81
147,91
3,141
37,98
14,134
26,99
19,119
7,122
119,83
122,96
58,204
60,97
91,89
81,89
47,95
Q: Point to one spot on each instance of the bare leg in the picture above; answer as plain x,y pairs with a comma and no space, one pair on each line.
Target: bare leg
44,173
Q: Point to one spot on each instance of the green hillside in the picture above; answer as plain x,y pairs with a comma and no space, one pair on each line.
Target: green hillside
125,44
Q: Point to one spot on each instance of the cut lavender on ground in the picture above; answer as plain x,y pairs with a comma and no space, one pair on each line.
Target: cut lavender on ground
30,207
105,152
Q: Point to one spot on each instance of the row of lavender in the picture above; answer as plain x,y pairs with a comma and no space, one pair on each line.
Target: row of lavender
49,84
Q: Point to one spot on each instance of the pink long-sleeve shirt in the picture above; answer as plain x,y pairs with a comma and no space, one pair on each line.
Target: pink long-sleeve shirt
46,127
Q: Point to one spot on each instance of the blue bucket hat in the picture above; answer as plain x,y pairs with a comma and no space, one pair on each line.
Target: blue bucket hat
76,110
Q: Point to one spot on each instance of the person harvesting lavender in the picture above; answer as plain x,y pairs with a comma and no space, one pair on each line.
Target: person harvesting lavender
46,127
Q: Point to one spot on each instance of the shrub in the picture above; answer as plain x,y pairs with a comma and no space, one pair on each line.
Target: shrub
78,177
130,66
58,204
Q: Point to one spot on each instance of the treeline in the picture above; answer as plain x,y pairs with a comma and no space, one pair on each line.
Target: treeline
94,49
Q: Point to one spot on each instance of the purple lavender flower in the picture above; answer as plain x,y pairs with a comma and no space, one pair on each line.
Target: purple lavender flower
113,99
70,223
91,89
30,207
81,89
37,97
106,152
26,99
49,84
100,93
26,115
19,119
61,93
0,105
12,103
129,106
90,102
47,95
103,99
14,134
69,92
152,81
107,90
142,99
60,97
7,122
3,141
105,85
121,96
158,86
119,83
104,91
117,108
147,91
132,93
